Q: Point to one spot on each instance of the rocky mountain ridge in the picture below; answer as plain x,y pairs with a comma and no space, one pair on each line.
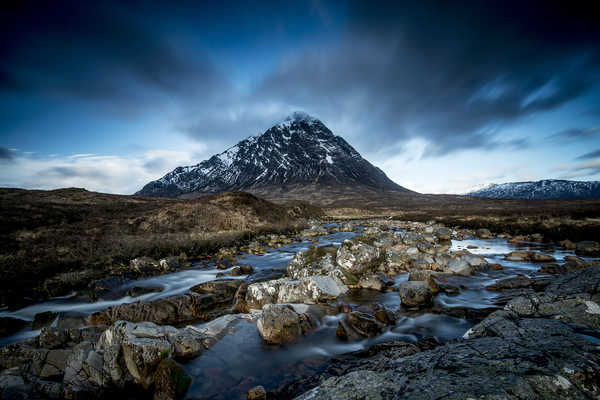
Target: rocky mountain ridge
543,189
299,150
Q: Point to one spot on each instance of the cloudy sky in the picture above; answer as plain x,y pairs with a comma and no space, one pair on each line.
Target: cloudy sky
441,95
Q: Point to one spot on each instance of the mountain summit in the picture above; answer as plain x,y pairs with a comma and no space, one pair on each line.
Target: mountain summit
300,150
544,189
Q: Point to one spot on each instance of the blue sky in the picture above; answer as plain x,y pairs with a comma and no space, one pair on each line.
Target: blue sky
108,95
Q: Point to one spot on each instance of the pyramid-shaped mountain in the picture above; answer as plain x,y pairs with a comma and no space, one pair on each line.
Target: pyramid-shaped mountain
300,150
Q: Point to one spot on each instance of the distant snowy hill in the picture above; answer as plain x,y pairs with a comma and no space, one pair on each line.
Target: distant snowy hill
544,189
300,150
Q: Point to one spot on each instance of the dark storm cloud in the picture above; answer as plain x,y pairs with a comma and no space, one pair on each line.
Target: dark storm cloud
102,51
6,154
590,155
75,172
452,73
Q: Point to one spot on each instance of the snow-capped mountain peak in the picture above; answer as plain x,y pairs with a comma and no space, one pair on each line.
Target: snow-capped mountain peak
299,150
544,189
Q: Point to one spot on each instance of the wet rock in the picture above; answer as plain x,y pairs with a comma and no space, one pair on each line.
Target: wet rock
519,282
528,256
356,257
364,324
172,310
347,227
373,282
552,269
567,244
415,293
496,267
137,291
258,392
427,276
170,381
222,290
484,233
280,323
9,325
244,269
588,248
105,287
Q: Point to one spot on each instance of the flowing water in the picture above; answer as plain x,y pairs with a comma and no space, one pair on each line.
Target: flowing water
241,360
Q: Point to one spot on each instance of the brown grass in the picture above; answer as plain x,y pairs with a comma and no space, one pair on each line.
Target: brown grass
47,233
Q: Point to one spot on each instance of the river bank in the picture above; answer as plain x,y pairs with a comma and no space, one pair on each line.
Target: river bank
340,288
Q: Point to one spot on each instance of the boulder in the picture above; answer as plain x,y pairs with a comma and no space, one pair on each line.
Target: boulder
520,282
567,244
357,257
415,293
174,263
318,261
280,323
313,289
171,310
106,287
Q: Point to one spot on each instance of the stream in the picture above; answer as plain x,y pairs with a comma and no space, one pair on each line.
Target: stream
241,360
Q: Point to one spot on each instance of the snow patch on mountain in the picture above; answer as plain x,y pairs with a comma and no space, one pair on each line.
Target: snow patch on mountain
544,189
301,149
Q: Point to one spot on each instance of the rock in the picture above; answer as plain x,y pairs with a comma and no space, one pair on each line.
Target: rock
540,257
503,358
146,266
496,267
105,287
426,276
174,263
244,269
567,244
280,323
415,293
9,325
458,266
366,325
483,233
443,233
572,297
318,261
171,310
528,256
170,381
313,289
239,299
222,290
136,291
588,248
552,269
373,282
519,282
258,392
357,258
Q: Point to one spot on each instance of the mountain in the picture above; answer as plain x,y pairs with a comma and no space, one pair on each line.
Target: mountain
299,151
544,189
